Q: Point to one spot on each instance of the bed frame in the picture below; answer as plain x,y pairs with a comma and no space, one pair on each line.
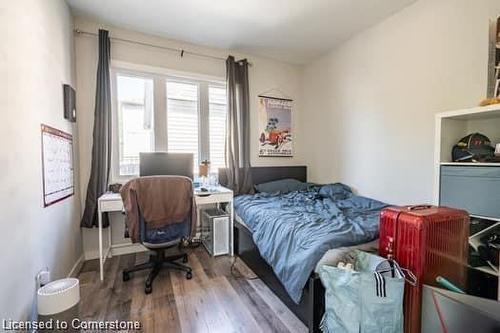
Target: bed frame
312,305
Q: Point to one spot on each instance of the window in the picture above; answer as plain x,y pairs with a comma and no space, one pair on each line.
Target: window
135,121
182,118
156,112
217,126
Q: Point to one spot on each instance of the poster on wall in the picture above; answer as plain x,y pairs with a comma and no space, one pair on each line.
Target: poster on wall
57,165
275,127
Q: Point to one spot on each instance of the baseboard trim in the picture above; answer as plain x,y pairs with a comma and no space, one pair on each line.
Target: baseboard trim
75,270
116,250
120,249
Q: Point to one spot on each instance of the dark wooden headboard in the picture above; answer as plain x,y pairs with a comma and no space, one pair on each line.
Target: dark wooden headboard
266,174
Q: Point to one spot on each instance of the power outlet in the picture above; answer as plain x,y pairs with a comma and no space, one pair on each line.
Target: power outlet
43,277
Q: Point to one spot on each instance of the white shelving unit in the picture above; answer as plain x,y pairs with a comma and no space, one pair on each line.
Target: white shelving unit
451,126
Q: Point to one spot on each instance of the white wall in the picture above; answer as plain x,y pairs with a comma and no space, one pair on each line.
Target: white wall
369,105
36,58
264,74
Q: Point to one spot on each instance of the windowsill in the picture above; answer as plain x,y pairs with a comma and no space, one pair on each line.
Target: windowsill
123,179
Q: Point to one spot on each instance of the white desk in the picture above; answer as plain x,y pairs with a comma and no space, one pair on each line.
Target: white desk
112,202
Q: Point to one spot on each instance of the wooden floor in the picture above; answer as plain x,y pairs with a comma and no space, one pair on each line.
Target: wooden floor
213,301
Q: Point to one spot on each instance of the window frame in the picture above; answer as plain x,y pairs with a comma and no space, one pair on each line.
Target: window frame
160,76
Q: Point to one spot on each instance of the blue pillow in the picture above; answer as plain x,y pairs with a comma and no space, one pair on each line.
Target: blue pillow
283,186
337,191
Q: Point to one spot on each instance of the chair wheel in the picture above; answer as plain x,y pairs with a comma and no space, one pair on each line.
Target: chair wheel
148,289
185,258
126,276
189,275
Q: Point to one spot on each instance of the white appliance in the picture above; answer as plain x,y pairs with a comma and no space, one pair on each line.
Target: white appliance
59,301
215,231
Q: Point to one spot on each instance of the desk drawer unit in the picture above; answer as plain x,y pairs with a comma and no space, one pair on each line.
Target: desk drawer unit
202,199
111,205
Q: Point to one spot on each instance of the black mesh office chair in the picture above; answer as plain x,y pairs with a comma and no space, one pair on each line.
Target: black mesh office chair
158,240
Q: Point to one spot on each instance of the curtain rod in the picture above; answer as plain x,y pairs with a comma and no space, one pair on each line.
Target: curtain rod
173,49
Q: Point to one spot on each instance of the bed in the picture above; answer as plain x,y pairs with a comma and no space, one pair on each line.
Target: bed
284,237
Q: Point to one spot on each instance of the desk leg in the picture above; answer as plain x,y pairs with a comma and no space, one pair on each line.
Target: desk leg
198,222
231,227
108,251
101,259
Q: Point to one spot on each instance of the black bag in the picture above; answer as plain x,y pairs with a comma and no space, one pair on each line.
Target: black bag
490,248
474,147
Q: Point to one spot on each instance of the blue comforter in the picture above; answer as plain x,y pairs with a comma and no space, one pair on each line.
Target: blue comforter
294,230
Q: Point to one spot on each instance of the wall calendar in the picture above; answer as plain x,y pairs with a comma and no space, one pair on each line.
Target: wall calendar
57,165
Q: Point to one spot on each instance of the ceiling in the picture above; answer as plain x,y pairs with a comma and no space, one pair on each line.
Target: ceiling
294,31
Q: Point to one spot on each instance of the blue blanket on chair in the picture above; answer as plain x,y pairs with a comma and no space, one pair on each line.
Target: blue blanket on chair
294,230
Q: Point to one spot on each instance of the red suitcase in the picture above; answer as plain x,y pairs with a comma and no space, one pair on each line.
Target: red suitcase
429,241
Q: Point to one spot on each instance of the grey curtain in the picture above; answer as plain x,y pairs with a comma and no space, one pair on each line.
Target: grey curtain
101,146
238,127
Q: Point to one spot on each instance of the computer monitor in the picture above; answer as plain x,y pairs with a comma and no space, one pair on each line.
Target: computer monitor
160,163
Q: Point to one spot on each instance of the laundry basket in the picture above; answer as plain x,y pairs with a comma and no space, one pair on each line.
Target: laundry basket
59,301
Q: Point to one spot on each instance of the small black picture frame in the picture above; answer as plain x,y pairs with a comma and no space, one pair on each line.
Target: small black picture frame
69,103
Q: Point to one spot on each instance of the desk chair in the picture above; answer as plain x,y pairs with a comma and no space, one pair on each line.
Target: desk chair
157,241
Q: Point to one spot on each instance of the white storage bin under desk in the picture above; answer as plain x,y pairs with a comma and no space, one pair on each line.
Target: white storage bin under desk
215,229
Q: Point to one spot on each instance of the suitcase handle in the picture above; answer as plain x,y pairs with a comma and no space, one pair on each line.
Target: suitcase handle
419,207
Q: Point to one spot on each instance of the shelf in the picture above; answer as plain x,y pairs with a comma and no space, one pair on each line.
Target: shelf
475,239
479,112
489,224
486,269
485,218
485,231
479,164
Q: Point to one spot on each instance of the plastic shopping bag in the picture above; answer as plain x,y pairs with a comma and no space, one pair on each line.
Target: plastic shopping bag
366,299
